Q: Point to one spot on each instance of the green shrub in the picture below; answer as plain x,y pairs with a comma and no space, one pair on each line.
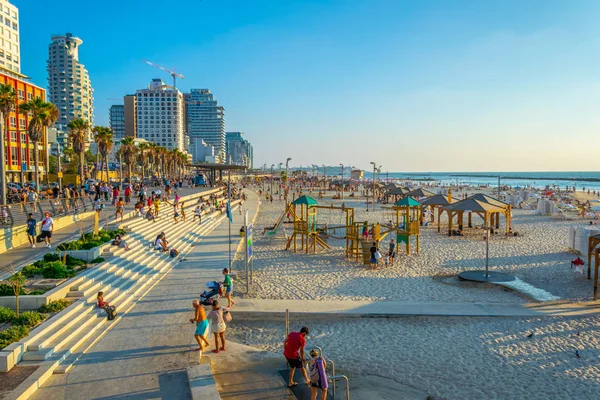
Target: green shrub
12,334
56,270
97,260
49,257
74,262
87,241
36,292
54,306
29,319
31,270
7,290
6,314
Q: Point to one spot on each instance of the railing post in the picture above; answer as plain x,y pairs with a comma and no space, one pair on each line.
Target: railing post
287,322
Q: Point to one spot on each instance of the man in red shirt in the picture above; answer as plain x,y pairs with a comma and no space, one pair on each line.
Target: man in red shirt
293,350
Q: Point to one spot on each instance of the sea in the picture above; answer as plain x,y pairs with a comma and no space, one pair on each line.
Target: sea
584,180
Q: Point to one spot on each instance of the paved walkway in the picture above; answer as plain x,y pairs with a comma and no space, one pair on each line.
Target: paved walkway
145,356
24,254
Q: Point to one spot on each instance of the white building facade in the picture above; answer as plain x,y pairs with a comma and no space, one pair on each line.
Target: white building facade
160,115
206,121
10,47
69,85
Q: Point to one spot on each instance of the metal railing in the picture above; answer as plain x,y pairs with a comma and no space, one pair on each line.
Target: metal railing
17,213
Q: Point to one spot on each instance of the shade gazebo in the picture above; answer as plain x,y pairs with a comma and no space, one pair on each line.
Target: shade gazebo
470,206
495,218
593,242
420,193
438,200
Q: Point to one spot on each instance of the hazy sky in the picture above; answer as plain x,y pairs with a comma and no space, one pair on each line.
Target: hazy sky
414,85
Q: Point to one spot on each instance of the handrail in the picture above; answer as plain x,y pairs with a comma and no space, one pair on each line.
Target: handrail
338,377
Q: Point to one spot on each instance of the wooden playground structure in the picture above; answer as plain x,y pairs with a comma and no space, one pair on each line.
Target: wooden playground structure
359,236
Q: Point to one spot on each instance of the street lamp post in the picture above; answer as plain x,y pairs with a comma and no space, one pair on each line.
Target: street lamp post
374,175
342,165
287,179
324,177
272,165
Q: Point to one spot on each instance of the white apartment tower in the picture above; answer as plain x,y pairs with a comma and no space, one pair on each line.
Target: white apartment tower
10,49
69,86
206,121
160,115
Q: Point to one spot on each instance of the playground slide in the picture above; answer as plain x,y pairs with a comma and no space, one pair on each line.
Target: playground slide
273,230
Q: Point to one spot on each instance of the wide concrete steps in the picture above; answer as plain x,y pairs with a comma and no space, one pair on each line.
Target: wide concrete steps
62,342
115,281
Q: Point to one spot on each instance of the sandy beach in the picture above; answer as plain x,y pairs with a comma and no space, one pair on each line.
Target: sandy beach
448,357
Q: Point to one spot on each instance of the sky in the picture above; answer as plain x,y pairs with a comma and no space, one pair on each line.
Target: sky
419,85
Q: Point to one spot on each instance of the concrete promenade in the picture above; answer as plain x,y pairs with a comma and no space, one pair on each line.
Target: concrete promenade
24,254
146,354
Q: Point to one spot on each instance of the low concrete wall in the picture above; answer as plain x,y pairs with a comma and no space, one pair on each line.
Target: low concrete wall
11,237
202,382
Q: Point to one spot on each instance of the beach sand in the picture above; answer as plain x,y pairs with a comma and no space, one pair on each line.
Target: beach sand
539,257
455,358
447,357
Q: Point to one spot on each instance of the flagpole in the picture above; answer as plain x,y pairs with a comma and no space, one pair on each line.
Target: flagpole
230,213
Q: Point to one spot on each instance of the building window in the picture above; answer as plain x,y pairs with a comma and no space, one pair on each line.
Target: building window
13,122
21,122
21,94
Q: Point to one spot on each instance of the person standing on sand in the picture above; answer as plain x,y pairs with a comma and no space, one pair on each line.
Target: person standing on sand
293,351
201,325
391,253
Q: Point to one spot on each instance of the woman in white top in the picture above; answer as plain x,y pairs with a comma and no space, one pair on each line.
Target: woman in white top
218,326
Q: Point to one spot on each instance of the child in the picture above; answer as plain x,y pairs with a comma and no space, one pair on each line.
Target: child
175,213
198,213
101,302
318,376
120,206
182,211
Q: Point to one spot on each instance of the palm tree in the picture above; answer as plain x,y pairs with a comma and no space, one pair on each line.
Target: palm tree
78,134
128,151
153,156
103,138
143,151
42,114
8,101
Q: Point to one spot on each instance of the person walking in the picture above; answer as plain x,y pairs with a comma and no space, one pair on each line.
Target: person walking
218,326
128,192
391,253
318,375
201,325
228,284
47,229
182,206
293,351
31,231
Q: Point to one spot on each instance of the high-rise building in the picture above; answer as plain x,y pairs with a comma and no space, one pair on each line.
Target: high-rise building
69,85
239,150
10,48
206,120
116,118
160,115
130,115
19,149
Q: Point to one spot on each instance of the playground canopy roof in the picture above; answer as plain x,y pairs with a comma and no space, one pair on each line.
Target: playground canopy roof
420,193
306,200
488,199
437,200
472,205
407,201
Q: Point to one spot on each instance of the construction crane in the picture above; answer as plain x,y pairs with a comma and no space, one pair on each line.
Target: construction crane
174,74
